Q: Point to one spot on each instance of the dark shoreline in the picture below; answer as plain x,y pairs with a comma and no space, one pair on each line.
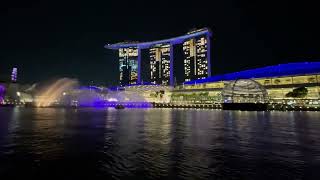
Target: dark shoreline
237,107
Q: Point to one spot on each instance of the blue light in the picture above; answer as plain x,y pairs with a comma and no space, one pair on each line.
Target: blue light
145,45
171,65
119,88
2,93
95,88
300,68
14,75
125,104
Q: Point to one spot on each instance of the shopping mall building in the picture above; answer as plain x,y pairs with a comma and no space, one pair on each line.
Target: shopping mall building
293,83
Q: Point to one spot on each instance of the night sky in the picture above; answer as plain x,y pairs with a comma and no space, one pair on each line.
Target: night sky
51,39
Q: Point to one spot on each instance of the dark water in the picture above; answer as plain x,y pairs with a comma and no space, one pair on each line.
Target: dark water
158,144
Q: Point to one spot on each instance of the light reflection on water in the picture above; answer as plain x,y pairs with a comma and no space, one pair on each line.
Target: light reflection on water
159,143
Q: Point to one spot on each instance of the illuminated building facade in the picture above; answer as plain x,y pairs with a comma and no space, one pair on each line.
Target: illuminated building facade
160,64
2,93
197,66
279,81
14,75
128,65
196,55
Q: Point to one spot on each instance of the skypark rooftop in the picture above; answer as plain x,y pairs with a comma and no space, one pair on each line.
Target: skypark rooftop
146,45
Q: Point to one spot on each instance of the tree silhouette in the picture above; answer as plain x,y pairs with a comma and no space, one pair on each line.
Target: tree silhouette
300,92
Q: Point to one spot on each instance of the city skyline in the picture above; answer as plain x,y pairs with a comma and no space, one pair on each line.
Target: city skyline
47,38
138,89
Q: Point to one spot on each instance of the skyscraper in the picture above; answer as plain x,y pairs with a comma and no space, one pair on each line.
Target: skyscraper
160,64
128,65
195,51
14,74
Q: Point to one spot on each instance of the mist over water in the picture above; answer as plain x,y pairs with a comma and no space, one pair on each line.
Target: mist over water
158,144
126,96
53,92
66,92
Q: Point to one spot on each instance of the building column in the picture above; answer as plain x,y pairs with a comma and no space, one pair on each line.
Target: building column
171,65
209,53
139,65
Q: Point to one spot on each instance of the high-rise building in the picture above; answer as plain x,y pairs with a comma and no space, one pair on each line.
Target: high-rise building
14,75
160,64
128,65
195,51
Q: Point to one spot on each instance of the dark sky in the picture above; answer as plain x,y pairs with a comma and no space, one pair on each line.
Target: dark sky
46,39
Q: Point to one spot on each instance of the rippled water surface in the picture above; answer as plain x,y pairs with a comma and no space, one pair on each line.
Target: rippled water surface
159,144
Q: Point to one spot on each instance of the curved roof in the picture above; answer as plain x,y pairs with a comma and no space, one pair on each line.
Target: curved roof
175,40
244,90
299,68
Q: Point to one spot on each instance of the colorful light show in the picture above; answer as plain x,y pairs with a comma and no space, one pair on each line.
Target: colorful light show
66,92
53,93
2,93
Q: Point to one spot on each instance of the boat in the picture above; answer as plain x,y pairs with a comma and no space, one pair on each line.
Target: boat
119,106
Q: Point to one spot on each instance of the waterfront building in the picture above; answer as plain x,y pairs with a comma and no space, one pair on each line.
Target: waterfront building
195,51
244,91
280,82
160,64
128,65
161,58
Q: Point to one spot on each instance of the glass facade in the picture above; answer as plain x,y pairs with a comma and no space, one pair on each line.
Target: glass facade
195,58
128,66
244,91
160,64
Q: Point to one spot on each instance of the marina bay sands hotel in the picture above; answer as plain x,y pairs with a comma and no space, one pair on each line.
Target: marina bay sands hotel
196,58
